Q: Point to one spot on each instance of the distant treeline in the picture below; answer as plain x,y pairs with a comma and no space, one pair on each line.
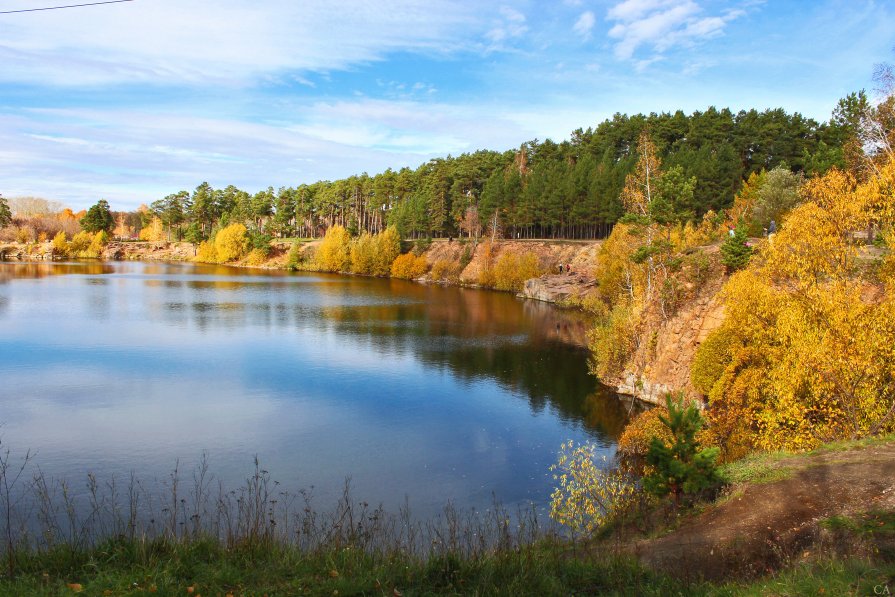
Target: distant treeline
541,190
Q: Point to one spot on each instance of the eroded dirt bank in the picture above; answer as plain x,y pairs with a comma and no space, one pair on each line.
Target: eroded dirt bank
762,527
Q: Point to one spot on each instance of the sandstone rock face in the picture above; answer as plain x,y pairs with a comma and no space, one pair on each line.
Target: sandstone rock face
26,252
662,361
558,288
552,287
149,251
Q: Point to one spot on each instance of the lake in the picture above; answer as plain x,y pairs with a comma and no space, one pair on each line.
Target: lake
416,392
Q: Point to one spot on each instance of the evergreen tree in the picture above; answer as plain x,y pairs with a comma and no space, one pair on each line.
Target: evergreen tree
735,253
5,213
98,217
682,468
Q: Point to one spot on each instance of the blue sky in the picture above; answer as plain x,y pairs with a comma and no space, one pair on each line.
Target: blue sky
133,101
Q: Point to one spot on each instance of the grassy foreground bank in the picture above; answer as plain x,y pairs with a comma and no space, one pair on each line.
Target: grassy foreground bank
205,567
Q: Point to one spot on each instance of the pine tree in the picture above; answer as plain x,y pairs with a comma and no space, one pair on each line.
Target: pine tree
5,213
98,217
735,253
681,468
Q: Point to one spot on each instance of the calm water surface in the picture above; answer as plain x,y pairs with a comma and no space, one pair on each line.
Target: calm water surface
421,391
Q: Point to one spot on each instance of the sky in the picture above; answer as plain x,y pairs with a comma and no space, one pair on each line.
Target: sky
135,100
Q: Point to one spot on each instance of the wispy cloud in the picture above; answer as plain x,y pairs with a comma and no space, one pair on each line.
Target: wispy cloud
662,25
510,24
170,41
585,24
136,156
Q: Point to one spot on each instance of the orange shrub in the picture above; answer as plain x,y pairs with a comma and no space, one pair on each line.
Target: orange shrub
638,434
408,266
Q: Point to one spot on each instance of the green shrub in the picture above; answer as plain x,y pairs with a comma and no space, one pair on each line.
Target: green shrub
422,245
712,358
465,256
259,241
295,259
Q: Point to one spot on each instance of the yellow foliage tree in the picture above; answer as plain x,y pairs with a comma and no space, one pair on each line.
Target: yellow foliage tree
60,245
619,277
80,242
206,253
256,257
810,339
512,270
612,340
388,247
445,270
97,244
744,202
635,439
122,230
638,196
486,271
333,254
231,243
154,232
362,251
588,495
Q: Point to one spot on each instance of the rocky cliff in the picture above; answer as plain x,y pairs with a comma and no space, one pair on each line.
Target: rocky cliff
663,358
667,343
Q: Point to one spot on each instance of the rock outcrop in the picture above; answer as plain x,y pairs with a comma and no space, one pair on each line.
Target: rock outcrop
662,360
149,251
26,252
560,288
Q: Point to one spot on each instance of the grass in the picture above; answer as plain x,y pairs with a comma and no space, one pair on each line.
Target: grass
767,467
825,577
205,567
166,568
757,468
845,445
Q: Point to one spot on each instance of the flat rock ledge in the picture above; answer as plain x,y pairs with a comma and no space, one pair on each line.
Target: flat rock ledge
559,288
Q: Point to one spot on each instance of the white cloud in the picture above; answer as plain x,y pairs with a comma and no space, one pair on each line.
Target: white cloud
170,41
511,24
632,10
133,156
662,25
585,24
